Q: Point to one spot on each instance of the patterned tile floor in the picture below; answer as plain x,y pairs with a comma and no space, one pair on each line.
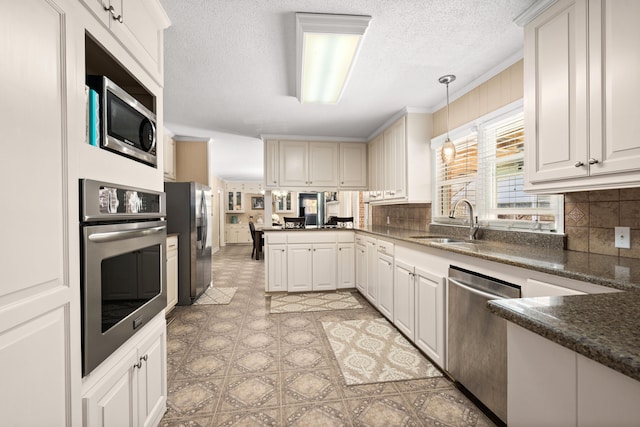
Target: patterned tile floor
239,365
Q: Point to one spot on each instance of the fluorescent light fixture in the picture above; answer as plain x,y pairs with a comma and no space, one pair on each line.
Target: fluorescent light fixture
327,46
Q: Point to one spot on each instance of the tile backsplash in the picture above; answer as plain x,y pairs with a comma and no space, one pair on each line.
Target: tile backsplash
590,218
410,216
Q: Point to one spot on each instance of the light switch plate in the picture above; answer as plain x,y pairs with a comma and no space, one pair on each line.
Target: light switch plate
623,237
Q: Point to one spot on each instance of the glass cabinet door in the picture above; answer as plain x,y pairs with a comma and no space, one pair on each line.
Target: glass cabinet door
230,203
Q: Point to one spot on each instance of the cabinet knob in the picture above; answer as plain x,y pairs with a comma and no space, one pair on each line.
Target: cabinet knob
578,164
593,161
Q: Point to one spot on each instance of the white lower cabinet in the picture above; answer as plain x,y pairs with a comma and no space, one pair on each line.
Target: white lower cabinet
371,291
404,299
276,260
303,261
361,268
430,314
550,385
384,277
346,266
130,387
299,268
324,266
419,301
237,233
172,272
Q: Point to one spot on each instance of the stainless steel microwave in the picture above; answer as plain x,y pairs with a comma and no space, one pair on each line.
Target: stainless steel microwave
120,123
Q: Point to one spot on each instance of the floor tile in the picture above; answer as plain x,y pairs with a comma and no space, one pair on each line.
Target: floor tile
309,386
327,414
448,407
250,392
239,365
193,398
254,362
266,417
203,365
296,358
381,411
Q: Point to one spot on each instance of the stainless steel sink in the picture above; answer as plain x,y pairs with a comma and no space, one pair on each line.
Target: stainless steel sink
470,245
438,240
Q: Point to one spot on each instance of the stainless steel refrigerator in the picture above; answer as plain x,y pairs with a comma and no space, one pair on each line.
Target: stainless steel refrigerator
189,214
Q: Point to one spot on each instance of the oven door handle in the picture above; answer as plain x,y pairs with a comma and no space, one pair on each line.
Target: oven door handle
113,236
474,290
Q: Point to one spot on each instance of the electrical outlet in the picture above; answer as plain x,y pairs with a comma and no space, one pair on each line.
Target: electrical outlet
623,237
388,222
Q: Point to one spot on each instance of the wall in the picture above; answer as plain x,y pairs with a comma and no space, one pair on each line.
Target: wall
217,194
500,90
590,218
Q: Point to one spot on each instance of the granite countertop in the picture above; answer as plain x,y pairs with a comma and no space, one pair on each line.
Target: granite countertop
602,327
611,271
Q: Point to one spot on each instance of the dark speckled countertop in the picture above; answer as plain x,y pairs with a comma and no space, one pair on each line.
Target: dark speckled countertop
602,327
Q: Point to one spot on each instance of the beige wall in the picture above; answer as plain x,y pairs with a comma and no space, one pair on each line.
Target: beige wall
192,161
502,89
217,191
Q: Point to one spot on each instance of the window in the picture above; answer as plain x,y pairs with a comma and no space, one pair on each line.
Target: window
488,170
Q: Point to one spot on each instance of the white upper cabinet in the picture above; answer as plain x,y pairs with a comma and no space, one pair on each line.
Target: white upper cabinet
579,97
138,26
353,165
271,164
323,164
400,161
326,165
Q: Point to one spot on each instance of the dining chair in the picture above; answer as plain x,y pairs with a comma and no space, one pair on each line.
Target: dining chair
255,249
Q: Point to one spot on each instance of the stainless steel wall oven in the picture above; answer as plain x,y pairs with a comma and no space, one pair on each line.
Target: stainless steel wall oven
123,265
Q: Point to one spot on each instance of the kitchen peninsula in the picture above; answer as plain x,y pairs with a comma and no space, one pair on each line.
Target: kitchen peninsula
579,323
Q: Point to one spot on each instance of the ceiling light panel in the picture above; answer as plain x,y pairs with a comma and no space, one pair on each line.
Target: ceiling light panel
327,46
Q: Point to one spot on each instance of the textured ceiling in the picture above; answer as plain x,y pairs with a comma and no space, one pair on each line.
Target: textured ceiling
230,67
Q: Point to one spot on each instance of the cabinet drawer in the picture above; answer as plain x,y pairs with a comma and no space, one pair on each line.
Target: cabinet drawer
312,237
385,247
346,237
277,237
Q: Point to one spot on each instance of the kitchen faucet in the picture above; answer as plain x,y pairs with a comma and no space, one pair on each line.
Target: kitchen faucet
473,226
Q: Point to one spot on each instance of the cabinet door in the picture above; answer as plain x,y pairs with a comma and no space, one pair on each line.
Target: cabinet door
372,270
140,32
299,268
114,402
323,164
324,263
389,163
385,285
271,163
294,171
400,154
376,173
556,90
361,269
152,378
353,165
39,307
276,260
172,272
430,319
613,52
346,266
169,157
403,299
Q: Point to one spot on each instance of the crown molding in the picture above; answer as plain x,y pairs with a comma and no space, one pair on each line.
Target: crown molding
533,11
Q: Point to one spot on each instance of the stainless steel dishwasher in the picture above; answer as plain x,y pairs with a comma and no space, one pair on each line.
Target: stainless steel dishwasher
477,340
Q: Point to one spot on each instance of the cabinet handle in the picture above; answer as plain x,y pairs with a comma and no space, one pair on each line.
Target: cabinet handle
112,11
281,250
275,182
139,364
310,249
593,161
578,164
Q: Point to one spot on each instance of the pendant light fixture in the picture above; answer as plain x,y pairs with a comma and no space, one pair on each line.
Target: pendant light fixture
448,150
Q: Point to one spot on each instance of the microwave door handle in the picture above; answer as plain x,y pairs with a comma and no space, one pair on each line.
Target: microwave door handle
113,236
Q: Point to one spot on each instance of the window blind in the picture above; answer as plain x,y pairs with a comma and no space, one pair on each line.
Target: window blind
488,170
457,180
